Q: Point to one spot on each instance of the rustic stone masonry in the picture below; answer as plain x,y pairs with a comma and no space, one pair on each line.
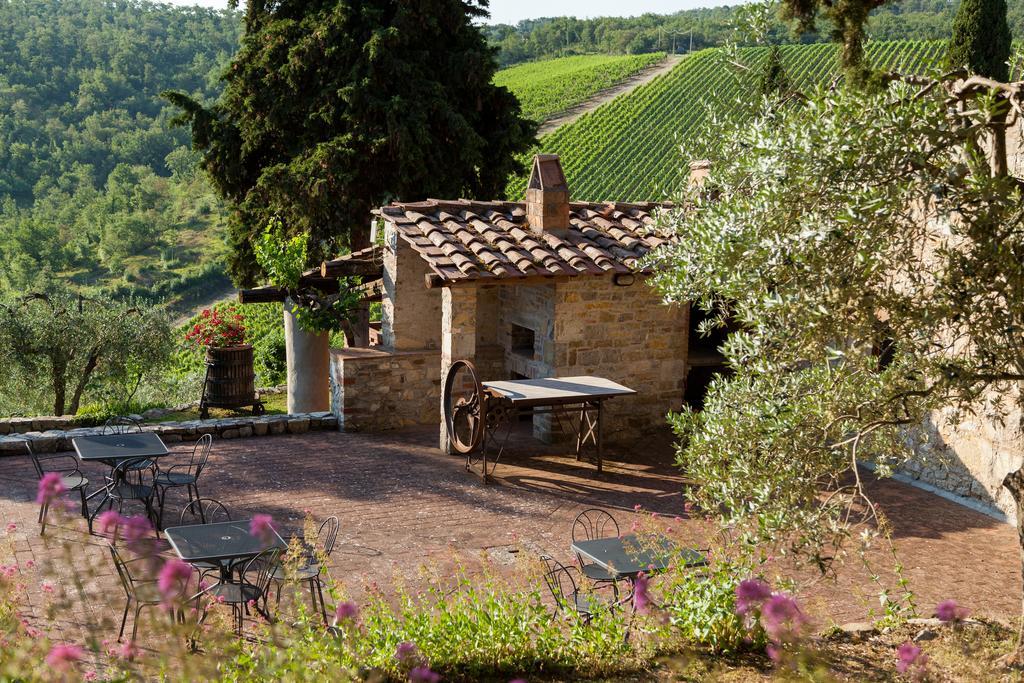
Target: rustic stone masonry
411,313
458,337
626,334
969,458
375,389
46,437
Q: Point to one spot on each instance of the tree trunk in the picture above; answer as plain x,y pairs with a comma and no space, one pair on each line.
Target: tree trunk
76,398
1000,163
59,388
1014,483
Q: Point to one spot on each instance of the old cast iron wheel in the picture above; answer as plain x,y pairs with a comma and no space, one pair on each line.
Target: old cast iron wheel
465,409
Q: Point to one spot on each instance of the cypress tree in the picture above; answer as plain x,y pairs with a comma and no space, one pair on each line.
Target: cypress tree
981,39
333,107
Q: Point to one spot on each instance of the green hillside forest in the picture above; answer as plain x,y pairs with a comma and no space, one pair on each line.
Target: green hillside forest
551,86
96,186
629,149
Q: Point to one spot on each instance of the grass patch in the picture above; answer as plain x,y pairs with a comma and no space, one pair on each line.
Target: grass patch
276,404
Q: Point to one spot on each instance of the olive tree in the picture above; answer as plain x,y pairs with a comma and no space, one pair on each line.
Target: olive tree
875,265
63,344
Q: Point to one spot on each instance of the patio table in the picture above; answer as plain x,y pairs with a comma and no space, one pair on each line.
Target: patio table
584,396
222,543
624,557
112,450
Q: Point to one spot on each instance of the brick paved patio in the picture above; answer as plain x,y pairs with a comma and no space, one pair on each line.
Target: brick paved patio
402,502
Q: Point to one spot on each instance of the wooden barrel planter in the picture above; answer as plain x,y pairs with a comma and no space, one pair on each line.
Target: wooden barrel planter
230,380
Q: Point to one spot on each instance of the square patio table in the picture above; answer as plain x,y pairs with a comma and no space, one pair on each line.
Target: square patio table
624,557
222,543
112,450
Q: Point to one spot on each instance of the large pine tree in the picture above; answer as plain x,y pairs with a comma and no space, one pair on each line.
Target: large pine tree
332,107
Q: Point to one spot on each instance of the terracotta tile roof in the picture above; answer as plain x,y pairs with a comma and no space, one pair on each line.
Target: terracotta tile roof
469,240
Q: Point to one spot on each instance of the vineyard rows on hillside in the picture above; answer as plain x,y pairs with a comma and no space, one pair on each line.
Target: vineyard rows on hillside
629,149
551,86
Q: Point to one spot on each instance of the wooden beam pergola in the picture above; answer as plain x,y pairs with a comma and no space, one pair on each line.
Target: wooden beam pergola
351,268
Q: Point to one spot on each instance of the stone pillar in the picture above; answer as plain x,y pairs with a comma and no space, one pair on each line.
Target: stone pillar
309,366
458,337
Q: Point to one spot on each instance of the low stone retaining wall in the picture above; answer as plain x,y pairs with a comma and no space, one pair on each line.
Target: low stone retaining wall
46,437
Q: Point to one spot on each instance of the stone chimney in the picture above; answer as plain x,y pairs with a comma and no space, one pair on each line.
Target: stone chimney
547,195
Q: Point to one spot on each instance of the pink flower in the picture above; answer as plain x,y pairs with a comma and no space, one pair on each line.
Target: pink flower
30,564
408,655
90,675
638,507
51,485
910,659
173,578
62,656
345,611
782,618
108,521
422,674
641,598
12,527
262,527
750,593
949,611
127,650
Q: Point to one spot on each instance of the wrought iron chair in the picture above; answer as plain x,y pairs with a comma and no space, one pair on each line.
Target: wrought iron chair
566,592
208,511
589,525
184,474
71,477
126,425
254,586
311,564
141,592
128,482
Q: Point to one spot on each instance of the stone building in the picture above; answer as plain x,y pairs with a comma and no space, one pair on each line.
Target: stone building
542,288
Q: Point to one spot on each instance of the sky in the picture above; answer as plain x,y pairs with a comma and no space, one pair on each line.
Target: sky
511,11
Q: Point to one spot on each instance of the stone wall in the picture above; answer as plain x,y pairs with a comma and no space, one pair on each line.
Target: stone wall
590,326
410,313
969,457
375,389
628,335
51,440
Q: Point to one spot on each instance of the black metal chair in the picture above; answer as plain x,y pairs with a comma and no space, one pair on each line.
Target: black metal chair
254,586
311,564
590,525
566,592
185,474
141,592
70,474
127,425
127,482
207,511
